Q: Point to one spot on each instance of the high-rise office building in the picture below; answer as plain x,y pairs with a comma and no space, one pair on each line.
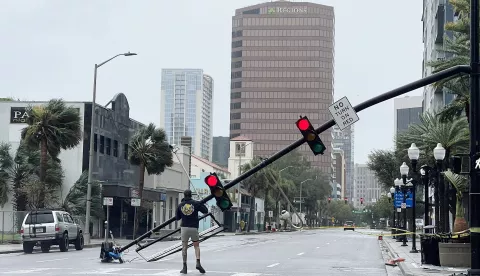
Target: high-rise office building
221,150
282,66
407,111
366,185
345,140
435,14
187,108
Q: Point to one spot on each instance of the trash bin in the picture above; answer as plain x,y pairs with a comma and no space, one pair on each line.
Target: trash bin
429,248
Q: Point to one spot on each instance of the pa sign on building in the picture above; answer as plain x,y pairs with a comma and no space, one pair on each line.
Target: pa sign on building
343,113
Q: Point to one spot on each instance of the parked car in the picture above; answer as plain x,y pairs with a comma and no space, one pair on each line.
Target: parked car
46,228
349,225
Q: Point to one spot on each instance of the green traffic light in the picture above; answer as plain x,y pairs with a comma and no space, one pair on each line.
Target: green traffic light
224,204
318,148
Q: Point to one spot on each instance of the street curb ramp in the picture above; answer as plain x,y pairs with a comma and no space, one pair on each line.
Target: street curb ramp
402,265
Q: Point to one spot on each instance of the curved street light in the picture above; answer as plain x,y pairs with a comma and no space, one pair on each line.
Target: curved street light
92,136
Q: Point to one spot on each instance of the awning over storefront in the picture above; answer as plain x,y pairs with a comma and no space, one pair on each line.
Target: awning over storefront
126,191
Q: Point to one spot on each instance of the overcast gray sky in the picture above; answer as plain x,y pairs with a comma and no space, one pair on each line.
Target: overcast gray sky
49,48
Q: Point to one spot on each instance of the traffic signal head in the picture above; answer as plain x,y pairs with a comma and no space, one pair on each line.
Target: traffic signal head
329,199
361,200
312,138
218,191
346,200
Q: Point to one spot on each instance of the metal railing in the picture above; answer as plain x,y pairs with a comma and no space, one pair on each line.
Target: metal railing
10,225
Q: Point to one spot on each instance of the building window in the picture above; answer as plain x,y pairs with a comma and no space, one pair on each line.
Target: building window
115,148
125,151
237,43
236,54
236,64
102,144
109,146
95,137
240,149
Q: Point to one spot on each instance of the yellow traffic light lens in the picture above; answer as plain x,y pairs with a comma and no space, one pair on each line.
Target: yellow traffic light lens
218,193
311,137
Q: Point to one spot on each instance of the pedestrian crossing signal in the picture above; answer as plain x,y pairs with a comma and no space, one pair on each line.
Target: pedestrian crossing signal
312,138
218,191
361,200
329,199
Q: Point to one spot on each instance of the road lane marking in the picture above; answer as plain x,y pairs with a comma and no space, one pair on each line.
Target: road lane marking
272,265
53,260
328,243
318,247
300,254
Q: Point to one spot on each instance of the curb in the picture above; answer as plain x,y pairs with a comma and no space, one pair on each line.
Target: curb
402,265
38,249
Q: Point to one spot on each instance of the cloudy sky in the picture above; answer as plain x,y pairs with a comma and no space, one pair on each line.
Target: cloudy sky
49,48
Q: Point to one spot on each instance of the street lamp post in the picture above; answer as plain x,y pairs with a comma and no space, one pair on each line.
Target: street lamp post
392,193
439,195
238,185
413,155
92,142
404,192
424,174
410,184
398,185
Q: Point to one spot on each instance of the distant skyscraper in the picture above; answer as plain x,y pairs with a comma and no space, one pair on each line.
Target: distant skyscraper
282,66
345,140
186,108
366,185
221,150
407,112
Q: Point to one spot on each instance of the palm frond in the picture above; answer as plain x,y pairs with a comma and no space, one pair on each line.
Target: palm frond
149,146
6,164
460,182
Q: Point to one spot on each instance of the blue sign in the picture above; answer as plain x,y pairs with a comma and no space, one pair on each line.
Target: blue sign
399,199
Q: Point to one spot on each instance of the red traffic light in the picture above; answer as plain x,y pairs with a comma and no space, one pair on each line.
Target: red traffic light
329,199
303,124
361,200
211,180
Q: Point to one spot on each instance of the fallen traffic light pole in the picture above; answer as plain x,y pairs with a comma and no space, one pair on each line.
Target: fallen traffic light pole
371,102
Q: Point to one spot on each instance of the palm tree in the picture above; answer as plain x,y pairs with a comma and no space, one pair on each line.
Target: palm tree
75,201
255,185
453,135
461,184
149,150
51,128
6,163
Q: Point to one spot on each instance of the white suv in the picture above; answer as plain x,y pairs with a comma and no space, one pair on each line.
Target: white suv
47,228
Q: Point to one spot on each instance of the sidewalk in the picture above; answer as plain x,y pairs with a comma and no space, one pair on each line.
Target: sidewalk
413,264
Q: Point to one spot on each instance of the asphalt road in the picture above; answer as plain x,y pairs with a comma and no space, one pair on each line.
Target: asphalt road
312,252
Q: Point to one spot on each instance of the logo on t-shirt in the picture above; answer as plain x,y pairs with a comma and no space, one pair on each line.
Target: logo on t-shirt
187,209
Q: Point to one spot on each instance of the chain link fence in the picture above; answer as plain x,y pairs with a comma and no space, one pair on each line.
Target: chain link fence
10,225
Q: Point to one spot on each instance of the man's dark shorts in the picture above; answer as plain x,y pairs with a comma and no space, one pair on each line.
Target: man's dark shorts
189,233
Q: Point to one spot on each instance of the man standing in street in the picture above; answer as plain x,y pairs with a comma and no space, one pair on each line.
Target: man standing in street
187,211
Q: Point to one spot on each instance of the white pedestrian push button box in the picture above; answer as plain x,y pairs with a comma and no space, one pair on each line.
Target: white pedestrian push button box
343,113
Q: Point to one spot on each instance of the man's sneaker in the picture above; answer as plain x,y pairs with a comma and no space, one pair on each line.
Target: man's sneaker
184,270
200,268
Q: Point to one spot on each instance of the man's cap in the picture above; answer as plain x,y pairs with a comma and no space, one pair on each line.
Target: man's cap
187,193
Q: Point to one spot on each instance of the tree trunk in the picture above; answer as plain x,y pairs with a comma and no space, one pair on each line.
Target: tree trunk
251,217
460,223
43,173
141,183
265,208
